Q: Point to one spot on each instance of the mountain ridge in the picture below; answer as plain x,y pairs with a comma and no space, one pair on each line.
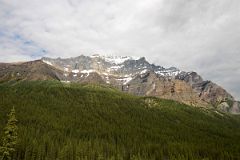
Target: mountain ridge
129,74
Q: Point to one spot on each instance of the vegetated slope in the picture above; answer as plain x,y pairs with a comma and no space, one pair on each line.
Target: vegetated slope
73,121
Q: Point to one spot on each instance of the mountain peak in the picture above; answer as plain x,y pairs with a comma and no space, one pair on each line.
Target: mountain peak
115,59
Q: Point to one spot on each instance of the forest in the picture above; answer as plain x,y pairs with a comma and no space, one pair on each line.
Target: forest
69,121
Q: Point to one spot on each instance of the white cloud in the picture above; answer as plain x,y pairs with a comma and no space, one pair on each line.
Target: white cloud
189,34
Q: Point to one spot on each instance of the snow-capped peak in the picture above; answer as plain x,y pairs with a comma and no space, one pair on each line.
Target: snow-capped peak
169,72
118,59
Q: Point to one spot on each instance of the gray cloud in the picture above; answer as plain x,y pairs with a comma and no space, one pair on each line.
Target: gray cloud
199,35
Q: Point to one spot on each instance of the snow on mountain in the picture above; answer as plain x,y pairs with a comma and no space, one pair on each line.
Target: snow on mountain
125,80
123,68
118,59
88,71
116,67
75,71
47,62
144,71
168,72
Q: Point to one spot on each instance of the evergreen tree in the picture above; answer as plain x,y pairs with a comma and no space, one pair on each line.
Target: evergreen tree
9,140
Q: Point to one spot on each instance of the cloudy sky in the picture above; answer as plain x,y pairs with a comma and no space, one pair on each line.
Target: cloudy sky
193,35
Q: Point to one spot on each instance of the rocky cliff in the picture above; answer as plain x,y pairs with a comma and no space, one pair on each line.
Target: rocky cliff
209,91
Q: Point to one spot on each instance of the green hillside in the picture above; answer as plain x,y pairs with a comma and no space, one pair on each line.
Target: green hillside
75,122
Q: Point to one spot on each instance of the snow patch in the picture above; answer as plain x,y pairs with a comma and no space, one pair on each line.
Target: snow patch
116,67
94,56
125,80
168,73
75,71
47,62
88,71
118,59
143,71
66,69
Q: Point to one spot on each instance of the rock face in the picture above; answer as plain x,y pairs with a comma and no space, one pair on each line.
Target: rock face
151,84
209,91
128,74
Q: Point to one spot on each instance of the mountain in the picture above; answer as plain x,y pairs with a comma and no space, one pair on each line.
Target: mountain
34,70
128,74
139,77
71,121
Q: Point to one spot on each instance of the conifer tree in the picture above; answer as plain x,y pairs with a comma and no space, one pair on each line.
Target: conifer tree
9,139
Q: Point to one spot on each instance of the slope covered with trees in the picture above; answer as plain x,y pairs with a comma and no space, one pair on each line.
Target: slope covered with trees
73,122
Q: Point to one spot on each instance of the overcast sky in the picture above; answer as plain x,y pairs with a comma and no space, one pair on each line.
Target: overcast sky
193,35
